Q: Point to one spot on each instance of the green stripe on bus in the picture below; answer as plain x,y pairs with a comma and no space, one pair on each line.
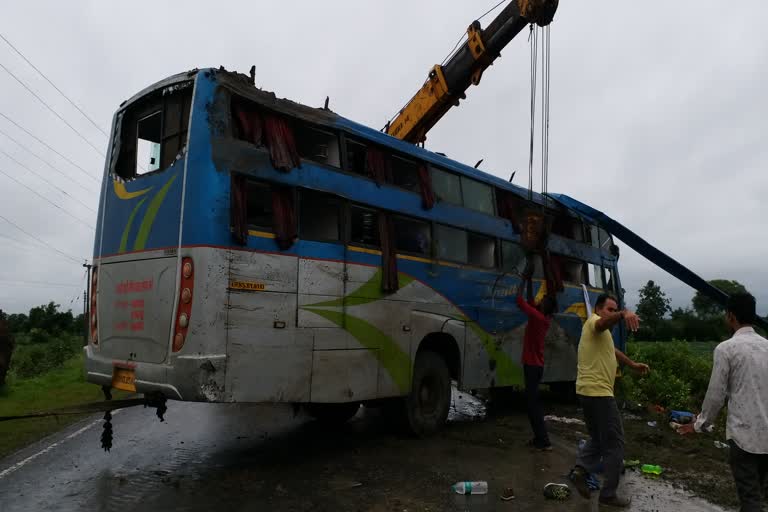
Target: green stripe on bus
149,217
387,352
508,372
127,230
370,291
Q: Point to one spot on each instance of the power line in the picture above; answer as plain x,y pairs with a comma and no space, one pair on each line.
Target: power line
78,219
68,256
38,139
33,93
45,283
45,180
25,148
54,86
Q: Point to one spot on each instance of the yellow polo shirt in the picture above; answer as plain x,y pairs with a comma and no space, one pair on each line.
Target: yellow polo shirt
597,361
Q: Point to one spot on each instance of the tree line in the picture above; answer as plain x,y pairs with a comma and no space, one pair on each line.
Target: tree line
703,320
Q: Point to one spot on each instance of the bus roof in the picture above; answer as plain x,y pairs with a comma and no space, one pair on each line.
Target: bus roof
241,84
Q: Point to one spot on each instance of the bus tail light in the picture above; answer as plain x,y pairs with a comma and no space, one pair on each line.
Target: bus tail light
184,310
92,320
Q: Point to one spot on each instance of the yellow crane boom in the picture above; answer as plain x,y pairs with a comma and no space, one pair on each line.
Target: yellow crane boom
446,84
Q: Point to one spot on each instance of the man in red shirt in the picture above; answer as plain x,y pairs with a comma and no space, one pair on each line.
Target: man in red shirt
539,319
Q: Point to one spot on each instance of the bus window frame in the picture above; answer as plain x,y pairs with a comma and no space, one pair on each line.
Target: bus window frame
430,250
496,246
436,242
297,124
348,215
298,197
432,169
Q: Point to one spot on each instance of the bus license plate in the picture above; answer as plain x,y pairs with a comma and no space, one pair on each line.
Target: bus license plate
124,379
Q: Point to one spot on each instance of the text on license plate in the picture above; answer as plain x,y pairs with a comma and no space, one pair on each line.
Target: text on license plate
124,379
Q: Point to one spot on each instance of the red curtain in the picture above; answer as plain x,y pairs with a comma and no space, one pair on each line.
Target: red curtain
378,165
552,273
510,208
250,126
425,185
238,208
281,143
284,217
389,281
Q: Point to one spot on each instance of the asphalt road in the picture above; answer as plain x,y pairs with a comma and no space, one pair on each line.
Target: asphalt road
234,457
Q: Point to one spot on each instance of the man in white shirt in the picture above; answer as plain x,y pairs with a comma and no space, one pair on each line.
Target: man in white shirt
740,376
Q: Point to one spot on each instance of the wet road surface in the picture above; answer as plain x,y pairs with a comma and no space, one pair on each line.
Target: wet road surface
237,457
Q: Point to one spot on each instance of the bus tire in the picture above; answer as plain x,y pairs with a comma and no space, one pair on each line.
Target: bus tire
426,406
333,414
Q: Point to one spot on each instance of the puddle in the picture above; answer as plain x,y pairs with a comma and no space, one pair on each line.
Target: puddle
465,407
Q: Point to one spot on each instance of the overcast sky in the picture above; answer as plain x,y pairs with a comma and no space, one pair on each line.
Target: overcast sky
657,112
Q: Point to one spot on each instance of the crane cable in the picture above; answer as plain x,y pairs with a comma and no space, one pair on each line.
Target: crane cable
545,40
533,39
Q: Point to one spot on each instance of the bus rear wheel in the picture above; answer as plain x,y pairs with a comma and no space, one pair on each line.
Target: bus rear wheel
333,414
426,406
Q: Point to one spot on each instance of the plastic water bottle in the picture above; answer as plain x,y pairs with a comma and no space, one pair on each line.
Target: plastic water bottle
650,468
470,487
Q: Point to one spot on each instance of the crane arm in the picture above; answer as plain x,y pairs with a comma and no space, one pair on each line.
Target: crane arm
446,84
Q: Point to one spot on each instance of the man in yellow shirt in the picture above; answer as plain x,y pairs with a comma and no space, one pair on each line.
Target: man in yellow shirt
594,385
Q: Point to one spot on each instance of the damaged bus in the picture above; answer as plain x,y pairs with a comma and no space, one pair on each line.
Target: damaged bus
252,249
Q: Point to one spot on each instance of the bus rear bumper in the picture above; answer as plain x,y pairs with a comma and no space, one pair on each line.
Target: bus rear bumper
195,379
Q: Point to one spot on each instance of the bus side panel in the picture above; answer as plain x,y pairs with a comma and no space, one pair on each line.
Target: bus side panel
269,359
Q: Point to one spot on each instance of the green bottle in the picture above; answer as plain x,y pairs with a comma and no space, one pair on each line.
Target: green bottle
651,469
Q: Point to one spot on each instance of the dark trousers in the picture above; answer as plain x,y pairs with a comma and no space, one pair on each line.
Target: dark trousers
750,471
606,441
533,375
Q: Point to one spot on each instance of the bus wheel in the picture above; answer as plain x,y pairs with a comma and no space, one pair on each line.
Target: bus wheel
426,406
333,414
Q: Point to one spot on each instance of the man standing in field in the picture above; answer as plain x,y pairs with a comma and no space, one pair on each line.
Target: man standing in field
539,320
594,385
740,376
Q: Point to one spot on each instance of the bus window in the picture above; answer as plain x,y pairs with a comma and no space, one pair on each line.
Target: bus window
451,243
574,271
320,217
512,257
259,206
609,283
357,155
596,276
320,146
148,138
605,240
363,226
405,173
152,132
482,251
568,227
477,196
412,235
447,186
592,237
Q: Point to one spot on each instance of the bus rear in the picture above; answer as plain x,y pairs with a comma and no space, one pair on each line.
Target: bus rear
140,283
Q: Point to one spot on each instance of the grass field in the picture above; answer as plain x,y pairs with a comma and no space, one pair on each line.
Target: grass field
57,388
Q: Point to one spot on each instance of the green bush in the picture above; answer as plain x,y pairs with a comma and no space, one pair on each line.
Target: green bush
678,380
38,357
